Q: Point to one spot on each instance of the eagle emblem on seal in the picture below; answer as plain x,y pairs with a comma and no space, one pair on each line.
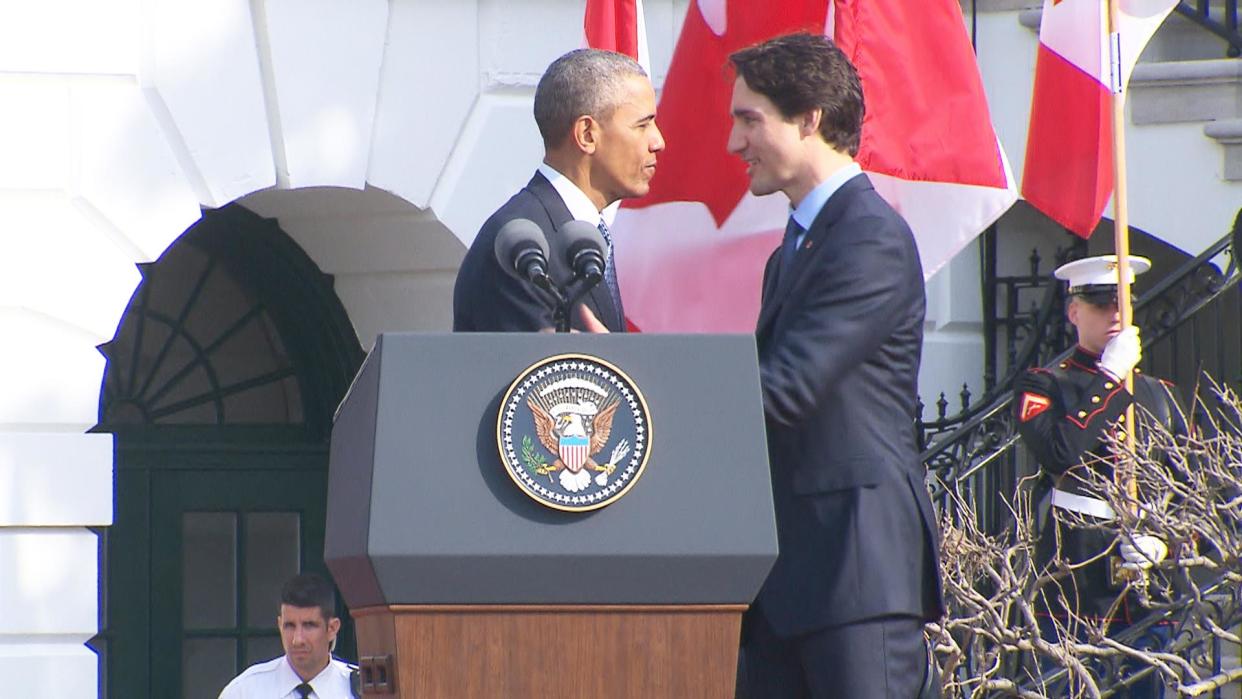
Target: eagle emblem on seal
573,432
576,431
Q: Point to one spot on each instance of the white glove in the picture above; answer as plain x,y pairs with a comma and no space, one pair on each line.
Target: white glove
1144,552
1122,353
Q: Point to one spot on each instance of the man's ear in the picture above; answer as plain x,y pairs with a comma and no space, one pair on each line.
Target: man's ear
334,625
808,122
1071,311
585,134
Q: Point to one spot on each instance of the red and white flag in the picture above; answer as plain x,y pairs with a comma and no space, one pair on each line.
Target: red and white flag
692,251
617,25
1068,172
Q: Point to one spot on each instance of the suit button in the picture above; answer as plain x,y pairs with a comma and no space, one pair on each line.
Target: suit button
1095,399
1122,418
1082,413
1121,434
1108,384
1063,365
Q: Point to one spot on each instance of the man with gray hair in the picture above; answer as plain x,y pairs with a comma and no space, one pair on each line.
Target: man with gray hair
596,113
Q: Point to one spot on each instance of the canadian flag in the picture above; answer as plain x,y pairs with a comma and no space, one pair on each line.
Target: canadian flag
1068,172
618,25
690,254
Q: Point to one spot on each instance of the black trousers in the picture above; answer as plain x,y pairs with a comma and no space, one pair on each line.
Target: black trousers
882,658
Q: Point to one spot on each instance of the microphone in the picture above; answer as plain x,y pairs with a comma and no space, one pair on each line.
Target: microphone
584,251
522,250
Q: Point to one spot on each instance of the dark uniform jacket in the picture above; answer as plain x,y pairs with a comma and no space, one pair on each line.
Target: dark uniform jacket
486,298
839,336
1063,415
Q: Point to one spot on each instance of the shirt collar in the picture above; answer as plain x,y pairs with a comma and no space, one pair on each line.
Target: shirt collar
289,679
811,204
579,204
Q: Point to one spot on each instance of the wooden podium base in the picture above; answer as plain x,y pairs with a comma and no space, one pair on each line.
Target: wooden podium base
561,652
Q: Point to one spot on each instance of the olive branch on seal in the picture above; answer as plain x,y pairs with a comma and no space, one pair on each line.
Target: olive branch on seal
532,458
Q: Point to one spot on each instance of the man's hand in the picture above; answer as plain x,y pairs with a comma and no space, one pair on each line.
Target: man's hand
590,321
1122,353
1144,552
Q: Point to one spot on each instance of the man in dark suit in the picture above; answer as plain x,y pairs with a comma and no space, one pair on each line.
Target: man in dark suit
840,334
596,113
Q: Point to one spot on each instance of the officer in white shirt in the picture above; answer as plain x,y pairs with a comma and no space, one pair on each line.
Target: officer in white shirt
308,627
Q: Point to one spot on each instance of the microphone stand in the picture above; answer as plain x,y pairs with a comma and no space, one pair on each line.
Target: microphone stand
566,296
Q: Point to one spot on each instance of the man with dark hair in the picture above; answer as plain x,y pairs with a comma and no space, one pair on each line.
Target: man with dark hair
596,112
840,334
308,626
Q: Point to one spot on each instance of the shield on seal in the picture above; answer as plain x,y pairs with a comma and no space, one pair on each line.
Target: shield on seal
573,451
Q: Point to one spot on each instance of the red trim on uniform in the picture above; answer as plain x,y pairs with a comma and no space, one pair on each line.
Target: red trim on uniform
1039,370
1093,413
1084,367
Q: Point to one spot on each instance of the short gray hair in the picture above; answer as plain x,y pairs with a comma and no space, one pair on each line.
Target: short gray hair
582,82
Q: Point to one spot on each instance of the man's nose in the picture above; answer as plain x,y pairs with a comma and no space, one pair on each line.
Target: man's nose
657,139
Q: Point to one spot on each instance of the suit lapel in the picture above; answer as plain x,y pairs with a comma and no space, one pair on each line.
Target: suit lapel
813,246
558,213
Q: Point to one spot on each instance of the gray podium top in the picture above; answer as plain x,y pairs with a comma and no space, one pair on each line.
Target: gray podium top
421,510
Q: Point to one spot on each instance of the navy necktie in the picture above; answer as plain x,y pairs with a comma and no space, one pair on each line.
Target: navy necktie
789,244
610,271
304,690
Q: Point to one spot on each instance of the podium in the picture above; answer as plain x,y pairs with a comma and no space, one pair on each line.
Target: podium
463,584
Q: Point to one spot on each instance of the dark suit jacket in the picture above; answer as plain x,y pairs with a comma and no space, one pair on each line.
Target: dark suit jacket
487,298
840,336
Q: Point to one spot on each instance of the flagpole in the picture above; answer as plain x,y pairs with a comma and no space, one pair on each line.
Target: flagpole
1121,226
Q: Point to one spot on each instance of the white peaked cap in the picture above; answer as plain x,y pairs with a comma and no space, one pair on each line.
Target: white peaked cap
1099,271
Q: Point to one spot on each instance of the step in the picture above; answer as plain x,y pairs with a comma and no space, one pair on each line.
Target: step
1182,91
1228,132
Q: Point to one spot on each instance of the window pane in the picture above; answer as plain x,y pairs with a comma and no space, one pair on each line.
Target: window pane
273,555
209,570
207,664
262,648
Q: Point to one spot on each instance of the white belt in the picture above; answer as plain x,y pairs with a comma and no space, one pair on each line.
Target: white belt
1082,504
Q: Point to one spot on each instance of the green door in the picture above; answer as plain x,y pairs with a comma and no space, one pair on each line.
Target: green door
227,541
219,389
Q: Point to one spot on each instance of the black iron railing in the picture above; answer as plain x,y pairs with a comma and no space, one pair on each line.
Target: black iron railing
1190,323
1221,20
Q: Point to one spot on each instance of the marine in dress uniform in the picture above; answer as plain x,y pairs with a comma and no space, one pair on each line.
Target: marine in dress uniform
1064,414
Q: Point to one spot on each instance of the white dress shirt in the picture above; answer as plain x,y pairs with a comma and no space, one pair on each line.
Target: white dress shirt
275,679
579,204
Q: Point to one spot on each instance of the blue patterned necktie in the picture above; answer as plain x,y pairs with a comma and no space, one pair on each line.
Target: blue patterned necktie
304,690
610,271
789,244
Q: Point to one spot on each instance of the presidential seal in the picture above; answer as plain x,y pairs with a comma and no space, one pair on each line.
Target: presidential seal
574,432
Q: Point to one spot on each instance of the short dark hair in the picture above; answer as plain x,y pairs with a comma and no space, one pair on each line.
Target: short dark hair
581,82
801,72
310,590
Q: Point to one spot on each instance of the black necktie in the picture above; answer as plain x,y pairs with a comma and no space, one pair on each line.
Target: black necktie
304,690
789,244
610,271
